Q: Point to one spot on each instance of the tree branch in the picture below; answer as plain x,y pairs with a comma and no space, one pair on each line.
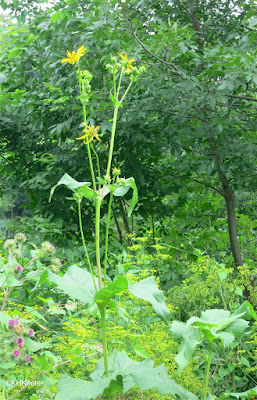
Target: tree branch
132,30
209,187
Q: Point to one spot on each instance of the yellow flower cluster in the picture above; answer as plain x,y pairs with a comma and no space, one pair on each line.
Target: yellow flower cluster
91,132
125,62
74,56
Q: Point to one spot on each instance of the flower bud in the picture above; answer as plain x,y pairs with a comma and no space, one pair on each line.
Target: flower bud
27,358
20,237
9,244
16,353
48,248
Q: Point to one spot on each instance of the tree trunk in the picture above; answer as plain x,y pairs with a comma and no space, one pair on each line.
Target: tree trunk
228,194
232,229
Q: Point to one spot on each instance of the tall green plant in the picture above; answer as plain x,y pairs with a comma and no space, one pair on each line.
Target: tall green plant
115,372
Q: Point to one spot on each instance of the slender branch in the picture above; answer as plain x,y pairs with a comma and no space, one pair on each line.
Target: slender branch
210,187
235,96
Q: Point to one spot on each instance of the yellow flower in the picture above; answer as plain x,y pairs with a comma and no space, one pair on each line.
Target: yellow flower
126,63
74,56
91,132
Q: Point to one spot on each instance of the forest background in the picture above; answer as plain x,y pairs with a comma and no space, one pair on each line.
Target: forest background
187,134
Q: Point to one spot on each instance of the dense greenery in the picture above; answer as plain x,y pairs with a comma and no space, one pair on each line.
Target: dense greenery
186,133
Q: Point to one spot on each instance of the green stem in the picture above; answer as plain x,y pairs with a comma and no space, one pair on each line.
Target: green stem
115,115
84,244
207,373
98,166
104,339
107,235
119,85
81,89
125,94
91,166
97,239
233,381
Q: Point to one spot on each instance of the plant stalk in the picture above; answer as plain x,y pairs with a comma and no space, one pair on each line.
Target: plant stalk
207,372
115,115
104,339
107,235
84,244
97,239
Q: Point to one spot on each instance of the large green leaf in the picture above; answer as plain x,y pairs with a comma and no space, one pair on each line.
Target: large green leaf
33,346
213,324
105,294
149,291
79,187
190,338
76,282
143,374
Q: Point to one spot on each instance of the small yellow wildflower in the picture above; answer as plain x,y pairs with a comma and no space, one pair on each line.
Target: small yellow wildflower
91,132
74,56
126,63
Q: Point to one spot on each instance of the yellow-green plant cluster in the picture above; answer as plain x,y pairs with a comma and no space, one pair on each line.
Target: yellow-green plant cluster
207,285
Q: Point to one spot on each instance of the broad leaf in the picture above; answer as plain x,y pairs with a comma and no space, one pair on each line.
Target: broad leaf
105,294
77,283
248,311
35,346
143,374
190,338
149,291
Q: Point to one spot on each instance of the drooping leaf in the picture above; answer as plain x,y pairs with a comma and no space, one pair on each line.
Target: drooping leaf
79,187
77,283
122,188
149,291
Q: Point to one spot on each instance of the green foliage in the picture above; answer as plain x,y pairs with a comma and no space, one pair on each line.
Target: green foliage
207,285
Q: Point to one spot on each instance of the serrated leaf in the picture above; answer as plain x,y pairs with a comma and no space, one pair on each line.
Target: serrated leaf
77,283
149,291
